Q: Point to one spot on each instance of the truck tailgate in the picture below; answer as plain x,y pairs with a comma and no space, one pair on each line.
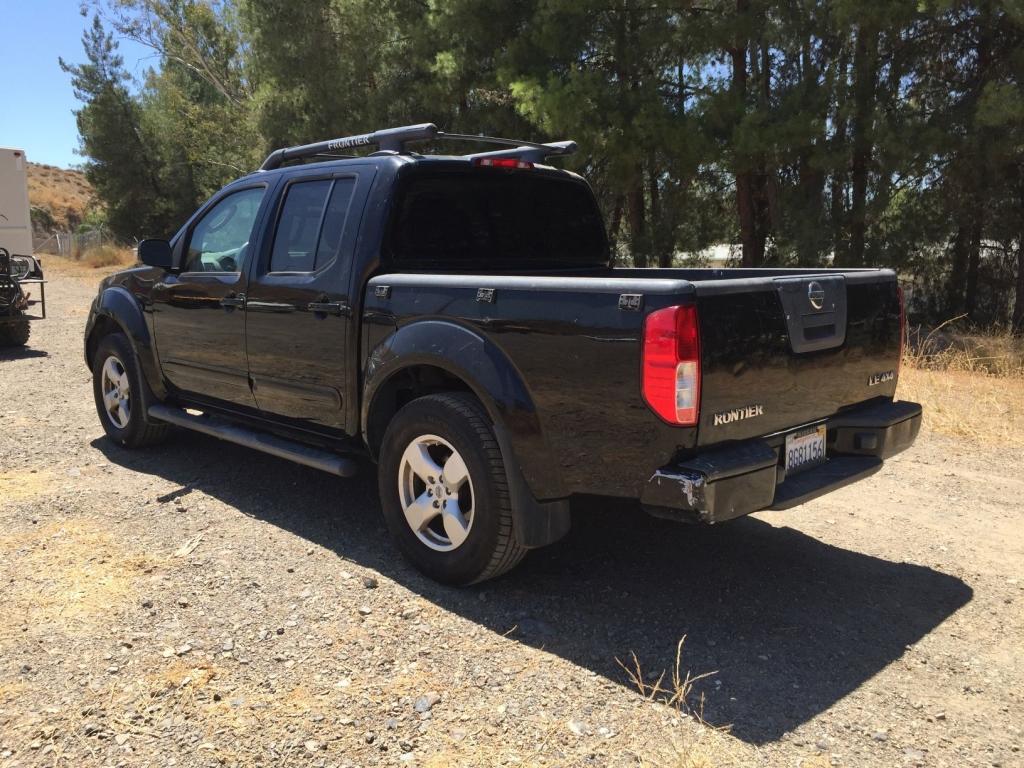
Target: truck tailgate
780,351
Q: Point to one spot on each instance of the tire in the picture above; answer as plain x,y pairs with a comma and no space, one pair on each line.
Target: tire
475,540
15,334
125,423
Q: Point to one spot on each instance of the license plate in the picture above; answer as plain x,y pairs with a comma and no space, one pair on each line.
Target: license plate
805,449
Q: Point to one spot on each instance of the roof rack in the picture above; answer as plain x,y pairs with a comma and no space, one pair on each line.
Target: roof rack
395,139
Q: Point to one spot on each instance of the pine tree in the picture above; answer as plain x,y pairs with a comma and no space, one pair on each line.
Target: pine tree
112,139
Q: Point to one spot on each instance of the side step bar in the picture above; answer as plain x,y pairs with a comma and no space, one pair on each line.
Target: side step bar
260,441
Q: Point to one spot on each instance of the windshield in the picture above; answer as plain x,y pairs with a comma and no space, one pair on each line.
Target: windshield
488,219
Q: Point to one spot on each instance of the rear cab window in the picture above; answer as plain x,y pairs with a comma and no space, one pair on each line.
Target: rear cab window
494,219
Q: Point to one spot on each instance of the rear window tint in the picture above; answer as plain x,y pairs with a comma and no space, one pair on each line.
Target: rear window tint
299,226
334,220
494,218
312,222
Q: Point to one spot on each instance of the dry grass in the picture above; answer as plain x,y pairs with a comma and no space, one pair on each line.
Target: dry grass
108,256
998,353
693,743
64,194
66,577
972,385
23,485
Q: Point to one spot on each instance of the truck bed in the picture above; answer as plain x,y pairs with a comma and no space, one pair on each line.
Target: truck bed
575,340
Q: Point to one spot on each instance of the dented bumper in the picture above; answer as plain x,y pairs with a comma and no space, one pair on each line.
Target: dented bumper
745,477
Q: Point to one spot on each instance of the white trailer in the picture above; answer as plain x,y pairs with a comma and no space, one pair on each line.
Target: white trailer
20,271
15,219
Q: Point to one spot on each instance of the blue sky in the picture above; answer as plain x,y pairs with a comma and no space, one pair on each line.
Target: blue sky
35,95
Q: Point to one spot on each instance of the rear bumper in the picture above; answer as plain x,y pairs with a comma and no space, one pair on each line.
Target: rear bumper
748,476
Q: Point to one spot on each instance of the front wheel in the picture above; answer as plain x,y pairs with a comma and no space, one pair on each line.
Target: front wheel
121,394
444,491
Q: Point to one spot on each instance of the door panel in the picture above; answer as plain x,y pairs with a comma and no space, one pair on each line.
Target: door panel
199,314
298,308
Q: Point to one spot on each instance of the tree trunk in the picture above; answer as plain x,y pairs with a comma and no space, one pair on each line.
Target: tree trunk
637,223
769,215
614,227
958,273
837,185
973,263
661,249
752,255
865,67
1018,306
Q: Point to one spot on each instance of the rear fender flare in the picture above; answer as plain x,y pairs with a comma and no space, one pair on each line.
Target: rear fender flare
492,377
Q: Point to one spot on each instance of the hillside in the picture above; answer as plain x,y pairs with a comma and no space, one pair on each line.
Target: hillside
59,197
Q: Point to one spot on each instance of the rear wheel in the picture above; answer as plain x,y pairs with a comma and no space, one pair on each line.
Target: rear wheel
15,333
122,395
444,491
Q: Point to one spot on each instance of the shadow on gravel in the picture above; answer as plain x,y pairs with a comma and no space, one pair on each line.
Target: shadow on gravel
790,623
21,353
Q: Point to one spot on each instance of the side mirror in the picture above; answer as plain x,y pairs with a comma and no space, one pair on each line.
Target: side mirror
156,253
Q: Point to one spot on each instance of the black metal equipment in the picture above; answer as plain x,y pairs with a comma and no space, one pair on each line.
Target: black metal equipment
14,300
393,141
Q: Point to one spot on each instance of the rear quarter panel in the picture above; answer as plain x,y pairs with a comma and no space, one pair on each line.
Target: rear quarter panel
578,357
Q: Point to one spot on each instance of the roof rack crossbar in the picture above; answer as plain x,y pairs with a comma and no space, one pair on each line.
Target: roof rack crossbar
533,153
387,139
523,150
394,140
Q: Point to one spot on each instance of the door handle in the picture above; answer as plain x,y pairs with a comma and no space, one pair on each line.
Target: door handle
327,307
231,301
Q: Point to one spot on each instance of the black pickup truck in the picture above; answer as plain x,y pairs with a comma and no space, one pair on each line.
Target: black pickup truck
456,319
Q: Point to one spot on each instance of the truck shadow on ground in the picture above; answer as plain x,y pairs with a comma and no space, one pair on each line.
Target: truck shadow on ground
791,624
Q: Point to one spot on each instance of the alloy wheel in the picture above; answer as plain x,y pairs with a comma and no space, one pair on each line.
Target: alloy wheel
436,493
117,393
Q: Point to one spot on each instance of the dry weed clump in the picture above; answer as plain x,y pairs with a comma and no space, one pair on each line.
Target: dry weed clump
996,353
108,256
680,685
971,385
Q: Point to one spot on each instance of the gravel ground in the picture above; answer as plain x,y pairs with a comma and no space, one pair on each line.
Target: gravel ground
200,604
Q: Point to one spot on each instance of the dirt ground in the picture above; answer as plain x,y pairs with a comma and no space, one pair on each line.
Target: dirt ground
199,604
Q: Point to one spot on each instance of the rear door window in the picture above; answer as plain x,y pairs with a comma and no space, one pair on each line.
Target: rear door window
311,224
334,220
299,227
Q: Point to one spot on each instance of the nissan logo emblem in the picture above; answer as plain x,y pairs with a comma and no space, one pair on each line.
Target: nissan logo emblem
816,294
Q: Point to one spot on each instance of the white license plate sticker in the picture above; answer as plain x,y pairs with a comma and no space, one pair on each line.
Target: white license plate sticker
805,449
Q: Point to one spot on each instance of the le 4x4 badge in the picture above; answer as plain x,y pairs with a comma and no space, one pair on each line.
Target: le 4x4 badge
881,378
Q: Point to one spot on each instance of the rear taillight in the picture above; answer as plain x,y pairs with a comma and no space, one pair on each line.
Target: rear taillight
671,364
502,162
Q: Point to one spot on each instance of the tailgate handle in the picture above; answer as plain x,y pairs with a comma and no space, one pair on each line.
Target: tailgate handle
815,308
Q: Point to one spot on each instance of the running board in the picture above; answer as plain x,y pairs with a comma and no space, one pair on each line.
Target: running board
260,441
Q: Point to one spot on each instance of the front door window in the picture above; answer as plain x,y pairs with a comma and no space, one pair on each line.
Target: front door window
220,241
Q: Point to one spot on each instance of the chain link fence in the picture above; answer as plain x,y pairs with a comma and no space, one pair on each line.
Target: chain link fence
72,244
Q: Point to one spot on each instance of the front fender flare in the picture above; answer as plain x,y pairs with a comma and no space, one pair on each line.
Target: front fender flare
117,304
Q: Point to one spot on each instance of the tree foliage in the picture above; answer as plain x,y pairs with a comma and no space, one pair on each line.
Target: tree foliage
853,132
